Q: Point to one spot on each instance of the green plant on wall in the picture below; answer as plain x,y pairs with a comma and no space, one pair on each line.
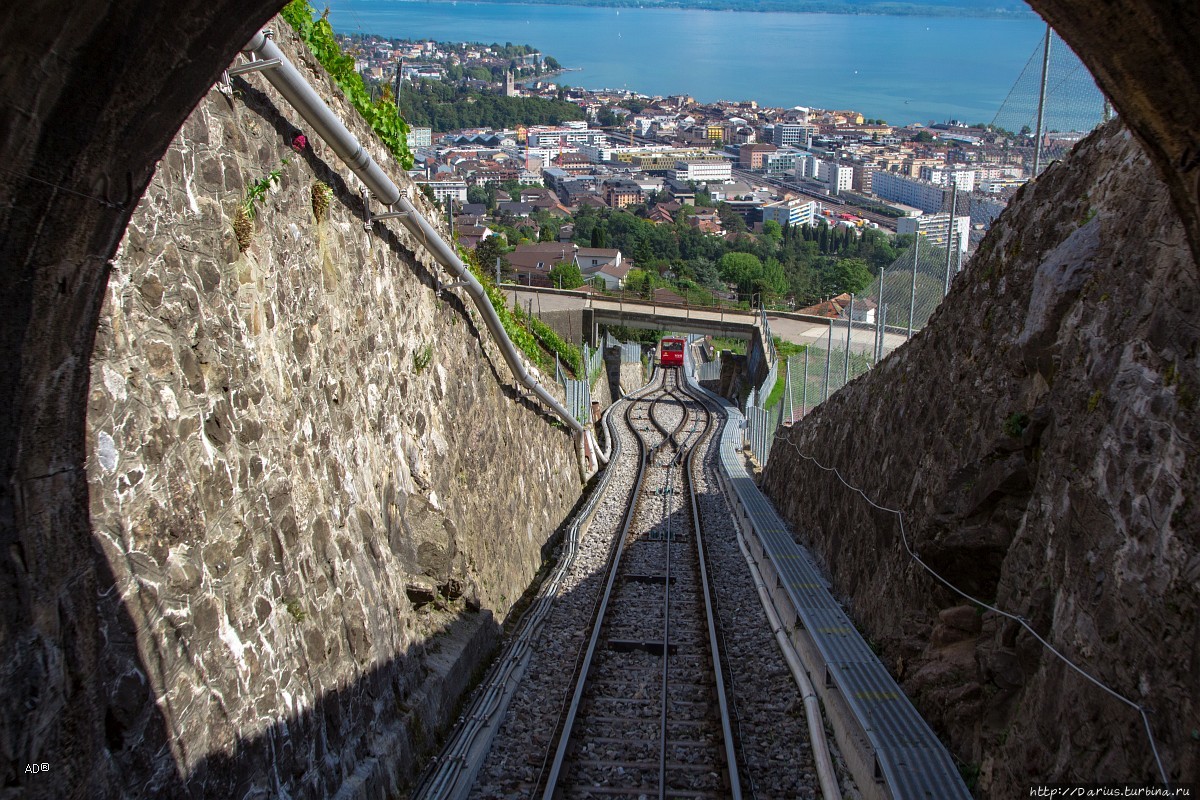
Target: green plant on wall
422,358
383,117
1015,424
247,210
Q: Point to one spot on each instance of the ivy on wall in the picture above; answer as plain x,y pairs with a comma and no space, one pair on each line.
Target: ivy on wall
383,117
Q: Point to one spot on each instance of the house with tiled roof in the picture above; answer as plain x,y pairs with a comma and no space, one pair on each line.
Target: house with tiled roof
469,236
660,215
605,263
532,262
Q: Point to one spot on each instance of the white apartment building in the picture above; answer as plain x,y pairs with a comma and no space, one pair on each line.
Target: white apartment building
840,177
782,162
910,191
933,228
998,185
420,137
704,171
563,136
455,189
539,157
790,212
945,176
785,134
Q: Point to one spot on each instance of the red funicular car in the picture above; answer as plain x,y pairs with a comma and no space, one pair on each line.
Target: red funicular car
670,352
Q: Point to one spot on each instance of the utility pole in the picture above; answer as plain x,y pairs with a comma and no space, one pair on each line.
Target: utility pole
1037,145
912,300
950,234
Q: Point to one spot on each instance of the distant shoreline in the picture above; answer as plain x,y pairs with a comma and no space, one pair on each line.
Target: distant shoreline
883,8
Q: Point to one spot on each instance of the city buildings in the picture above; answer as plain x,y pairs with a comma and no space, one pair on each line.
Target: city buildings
790,212
704,171
933,227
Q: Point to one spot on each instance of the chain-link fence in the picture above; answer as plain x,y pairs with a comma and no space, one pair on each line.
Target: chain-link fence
898,304
1073,105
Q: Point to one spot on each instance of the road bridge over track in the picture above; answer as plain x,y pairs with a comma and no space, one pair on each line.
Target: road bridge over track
635,312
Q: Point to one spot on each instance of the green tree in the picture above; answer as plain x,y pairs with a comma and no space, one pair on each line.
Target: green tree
487,251
774,281
846,275
773,231
730,219
566,275
479,194
743,269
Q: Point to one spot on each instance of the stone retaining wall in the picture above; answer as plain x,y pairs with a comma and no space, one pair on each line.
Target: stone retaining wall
308,472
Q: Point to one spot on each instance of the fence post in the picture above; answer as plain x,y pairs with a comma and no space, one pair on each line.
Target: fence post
912,302
828,356
849,335
1037,145
787,392
950,234
879,320
804,391
881,339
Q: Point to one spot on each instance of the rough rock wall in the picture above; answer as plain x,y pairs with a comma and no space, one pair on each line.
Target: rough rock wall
1041,438
310,479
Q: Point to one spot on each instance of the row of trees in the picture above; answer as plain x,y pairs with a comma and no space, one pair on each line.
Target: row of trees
804,262
800,263
444,107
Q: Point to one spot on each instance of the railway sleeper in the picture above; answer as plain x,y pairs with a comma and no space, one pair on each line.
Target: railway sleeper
628,645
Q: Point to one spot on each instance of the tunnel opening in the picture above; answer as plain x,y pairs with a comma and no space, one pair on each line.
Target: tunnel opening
81,151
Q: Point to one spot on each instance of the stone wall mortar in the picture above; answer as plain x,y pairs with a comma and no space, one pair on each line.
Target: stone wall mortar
305,466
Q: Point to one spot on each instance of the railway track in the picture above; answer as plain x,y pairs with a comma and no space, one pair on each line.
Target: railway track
512,731
648,716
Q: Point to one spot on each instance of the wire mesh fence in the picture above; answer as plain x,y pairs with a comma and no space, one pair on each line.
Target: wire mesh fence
1073,104
903,298
579,399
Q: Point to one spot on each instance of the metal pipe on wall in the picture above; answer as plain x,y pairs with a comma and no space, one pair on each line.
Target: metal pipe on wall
288,81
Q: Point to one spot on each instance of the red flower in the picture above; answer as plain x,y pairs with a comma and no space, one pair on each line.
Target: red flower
299,142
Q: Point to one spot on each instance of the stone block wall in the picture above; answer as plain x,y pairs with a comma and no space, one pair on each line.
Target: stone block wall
316,490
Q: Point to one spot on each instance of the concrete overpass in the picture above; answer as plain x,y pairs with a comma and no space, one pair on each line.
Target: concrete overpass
635,312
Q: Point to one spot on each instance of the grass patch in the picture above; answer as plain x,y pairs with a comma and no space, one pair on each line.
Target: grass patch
732,345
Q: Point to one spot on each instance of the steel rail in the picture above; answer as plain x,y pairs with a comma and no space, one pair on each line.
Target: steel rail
735,786
450,775
568,722
666,629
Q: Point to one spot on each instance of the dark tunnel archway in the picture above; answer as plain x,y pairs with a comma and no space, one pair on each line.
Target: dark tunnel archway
93,94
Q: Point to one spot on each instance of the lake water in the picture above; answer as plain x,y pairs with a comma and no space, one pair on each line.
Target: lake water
903,69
